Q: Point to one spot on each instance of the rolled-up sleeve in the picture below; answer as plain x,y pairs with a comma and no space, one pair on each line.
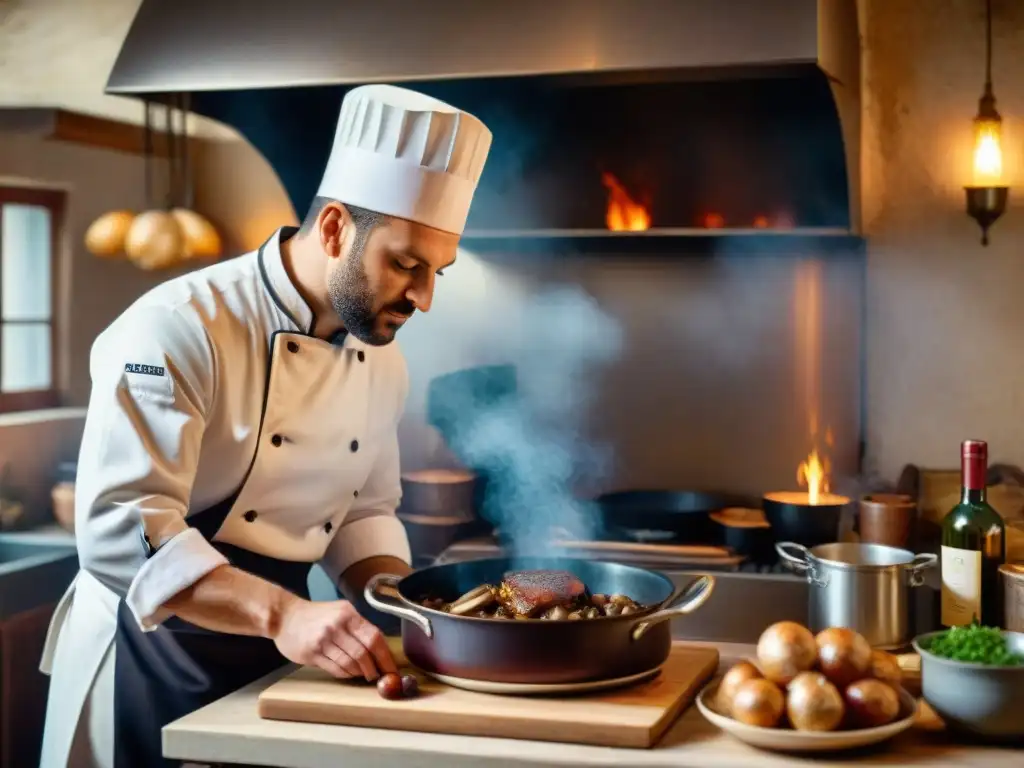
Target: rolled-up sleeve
371,528
152,376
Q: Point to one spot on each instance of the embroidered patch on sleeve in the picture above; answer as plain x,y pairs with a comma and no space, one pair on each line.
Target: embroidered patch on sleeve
148,370
149,382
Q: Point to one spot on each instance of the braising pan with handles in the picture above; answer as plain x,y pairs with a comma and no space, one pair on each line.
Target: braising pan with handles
533,650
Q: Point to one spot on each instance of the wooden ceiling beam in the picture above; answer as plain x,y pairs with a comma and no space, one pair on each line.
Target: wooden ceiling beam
77,128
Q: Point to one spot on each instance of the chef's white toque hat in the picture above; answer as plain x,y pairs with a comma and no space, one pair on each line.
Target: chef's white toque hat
404,154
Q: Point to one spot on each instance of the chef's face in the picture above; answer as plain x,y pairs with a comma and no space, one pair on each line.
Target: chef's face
385,274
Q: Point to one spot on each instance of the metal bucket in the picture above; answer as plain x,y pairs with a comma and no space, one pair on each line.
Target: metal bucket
864,587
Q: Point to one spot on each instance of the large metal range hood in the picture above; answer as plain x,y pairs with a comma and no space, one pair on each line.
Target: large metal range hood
195,45
321,46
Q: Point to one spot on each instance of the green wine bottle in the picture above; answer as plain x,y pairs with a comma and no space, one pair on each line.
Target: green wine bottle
973,548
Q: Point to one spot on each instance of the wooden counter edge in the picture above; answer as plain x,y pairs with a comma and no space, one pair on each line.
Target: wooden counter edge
230,732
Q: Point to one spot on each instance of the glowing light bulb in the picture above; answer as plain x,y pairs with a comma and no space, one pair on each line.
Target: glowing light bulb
988,153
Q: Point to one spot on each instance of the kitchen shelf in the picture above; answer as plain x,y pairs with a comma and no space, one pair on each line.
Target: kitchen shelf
667,241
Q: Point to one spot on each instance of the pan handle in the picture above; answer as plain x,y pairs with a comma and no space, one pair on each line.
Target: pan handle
692,598
799,564
803,564
382,592
921,563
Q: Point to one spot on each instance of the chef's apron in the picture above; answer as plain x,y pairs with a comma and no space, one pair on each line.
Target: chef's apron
177,668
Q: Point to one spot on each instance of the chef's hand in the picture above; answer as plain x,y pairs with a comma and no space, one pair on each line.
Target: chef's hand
333,636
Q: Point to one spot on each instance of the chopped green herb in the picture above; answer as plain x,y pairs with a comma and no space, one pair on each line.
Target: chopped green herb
975,644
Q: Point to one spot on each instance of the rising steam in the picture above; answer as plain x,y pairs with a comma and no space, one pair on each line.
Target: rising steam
530,446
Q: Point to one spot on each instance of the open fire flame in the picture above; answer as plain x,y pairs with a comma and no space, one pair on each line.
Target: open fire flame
812,473
623,214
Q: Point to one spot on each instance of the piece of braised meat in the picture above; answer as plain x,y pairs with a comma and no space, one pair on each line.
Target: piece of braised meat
529,593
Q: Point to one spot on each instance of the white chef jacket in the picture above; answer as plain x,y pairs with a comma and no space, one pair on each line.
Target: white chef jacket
207,386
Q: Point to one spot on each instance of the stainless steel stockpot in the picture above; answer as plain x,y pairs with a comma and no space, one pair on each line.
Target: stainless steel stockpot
865,587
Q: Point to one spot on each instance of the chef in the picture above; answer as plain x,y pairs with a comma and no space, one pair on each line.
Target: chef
242,427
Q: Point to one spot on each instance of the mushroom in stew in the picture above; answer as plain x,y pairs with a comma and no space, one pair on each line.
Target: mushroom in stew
541,594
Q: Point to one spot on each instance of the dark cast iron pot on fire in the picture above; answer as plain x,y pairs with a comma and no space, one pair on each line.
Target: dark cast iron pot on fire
533,650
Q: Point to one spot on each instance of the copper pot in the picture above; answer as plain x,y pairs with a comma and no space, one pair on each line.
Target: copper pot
448,493
887,518
1013,596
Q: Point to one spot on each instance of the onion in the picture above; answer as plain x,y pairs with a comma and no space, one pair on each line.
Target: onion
154,240
843,656
886,668
871,703
758,702
732,680
784,650
105,236
813,703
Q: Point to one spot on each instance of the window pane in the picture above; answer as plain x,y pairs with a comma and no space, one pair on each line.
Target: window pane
25,361
26,262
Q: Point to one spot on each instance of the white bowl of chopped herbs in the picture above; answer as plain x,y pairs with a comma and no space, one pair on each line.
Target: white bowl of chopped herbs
973,677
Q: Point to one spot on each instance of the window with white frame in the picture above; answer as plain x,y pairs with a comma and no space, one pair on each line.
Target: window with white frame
30,221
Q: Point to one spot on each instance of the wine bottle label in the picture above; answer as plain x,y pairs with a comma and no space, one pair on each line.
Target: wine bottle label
961,586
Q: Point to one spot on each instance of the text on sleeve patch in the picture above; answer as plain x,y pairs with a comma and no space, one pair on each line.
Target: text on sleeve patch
149,370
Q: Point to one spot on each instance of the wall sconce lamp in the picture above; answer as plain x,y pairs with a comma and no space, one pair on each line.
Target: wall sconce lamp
986,197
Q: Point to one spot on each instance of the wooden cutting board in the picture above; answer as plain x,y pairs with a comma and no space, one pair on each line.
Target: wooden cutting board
629,717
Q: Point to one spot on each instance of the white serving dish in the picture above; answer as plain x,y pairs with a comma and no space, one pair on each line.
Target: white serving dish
789,740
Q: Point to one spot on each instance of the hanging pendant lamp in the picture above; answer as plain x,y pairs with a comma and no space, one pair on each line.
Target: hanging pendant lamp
987,196
155,240
201,238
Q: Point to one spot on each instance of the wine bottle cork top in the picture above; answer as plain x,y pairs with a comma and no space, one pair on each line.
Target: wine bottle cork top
974,449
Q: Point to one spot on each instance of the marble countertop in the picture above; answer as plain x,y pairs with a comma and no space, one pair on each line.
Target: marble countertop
230,732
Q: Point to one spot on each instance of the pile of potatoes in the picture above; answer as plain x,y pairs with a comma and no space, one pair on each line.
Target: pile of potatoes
831,681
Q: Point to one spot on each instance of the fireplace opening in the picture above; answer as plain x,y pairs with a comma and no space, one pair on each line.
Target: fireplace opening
725,155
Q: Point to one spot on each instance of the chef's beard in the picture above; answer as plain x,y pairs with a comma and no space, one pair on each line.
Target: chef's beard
351,298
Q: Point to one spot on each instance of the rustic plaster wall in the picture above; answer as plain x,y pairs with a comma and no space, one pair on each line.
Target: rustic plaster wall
944,332
58,53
